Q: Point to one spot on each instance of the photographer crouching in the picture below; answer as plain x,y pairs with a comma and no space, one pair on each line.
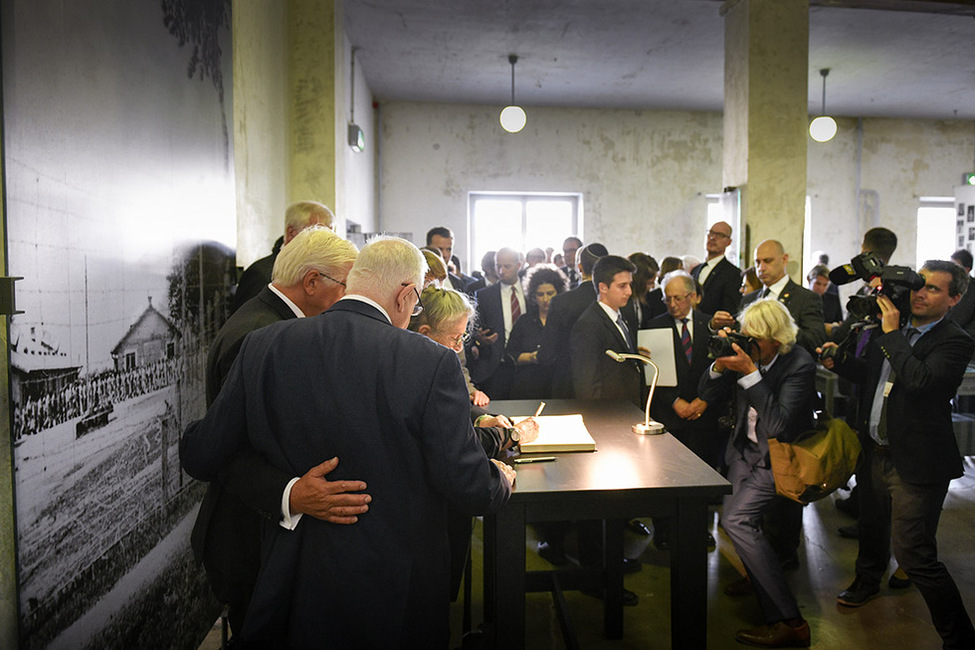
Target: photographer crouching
775,399
907,377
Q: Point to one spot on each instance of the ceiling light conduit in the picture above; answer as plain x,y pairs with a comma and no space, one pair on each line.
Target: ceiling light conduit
823,127
513,117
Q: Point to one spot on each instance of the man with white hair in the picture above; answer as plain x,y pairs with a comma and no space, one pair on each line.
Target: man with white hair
775,384
309,276
393,406
297,217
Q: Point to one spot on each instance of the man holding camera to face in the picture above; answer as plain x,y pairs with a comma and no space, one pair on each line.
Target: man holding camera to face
907,377
775,380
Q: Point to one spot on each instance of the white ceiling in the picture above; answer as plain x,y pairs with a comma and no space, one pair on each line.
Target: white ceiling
656,54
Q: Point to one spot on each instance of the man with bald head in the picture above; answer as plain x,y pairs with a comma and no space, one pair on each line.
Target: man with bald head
805,306
719,279
498,307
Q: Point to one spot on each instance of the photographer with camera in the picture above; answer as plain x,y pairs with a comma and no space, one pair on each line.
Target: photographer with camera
906,378
775,385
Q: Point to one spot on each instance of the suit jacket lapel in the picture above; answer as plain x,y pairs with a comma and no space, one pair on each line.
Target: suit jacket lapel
608,322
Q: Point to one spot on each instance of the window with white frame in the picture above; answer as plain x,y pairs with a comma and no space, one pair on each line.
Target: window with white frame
936,229
522,221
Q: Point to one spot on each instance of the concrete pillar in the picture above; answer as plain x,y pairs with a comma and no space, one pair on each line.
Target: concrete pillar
315,89
765,118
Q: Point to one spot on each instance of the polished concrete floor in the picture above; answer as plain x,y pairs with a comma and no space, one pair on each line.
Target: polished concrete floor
897,619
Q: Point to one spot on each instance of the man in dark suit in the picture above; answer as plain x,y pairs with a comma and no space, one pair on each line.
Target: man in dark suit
719,278
498,307
679,408
309,277
570,248
600,328
297,217
562,316
964,312
353,384
907,378
805,306
441,238
775,382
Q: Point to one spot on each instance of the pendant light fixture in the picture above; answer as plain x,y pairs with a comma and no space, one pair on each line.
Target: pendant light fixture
513,116
823,128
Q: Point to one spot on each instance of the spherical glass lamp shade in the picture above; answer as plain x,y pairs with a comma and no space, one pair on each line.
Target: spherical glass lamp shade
513,119
822,129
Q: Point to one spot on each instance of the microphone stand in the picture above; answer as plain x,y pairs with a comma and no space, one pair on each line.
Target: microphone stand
648,426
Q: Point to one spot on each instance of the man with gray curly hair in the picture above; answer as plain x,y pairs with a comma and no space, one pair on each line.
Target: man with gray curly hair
775,385
393,406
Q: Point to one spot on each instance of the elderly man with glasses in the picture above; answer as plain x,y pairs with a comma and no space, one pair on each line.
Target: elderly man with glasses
392,407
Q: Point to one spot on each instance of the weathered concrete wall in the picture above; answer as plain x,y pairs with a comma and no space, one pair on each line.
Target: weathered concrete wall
643,173
901,161
260,125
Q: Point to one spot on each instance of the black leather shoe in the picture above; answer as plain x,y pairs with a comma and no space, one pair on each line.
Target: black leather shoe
631,565
711,542
858,593
776,635
630,599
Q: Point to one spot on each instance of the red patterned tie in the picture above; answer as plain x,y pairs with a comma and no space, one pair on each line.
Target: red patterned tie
515,306
685,339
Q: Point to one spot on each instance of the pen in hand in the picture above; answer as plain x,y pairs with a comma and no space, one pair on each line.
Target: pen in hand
541,406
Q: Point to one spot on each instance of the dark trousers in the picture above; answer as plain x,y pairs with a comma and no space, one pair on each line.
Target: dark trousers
752,496
907,514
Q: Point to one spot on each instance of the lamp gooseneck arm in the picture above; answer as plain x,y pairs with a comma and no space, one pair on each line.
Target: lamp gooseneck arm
623,356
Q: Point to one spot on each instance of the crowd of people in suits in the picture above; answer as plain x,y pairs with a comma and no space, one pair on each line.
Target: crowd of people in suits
290,396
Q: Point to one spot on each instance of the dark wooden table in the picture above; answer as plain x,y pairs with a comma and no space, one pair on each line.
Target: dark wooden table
628,476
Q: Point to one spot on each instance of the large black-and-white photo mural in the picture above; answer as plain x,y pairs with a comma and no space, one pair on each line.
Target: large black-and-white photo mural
117,127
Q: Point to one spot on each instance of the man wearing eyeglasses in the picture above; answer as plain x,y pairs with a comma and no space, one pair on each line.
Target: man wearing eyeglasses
393,407
690,419
308,278
719,278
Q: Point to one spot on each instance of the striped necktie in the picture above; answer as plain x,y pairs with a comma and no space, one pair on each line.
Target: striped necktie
685,339
515,306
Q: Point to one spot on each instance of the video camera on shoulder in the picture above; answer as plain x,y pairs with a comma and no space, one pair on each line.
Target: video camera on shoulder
896,282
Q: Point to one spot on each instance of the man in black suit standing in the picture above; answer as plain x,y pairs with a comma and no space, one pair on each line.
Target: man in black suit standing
353,384
297,217
570,247
719,278
441,238
964,312
805,306
775,387
308,278
498,307
908,376
600,328
562,316
679,408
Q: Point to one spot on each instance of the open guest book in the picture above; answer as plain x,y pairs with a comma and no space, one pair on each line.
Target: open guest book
559,433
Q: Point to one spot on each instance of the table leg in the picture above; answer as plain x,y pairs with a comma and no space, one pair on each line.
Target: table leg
506,600
689,576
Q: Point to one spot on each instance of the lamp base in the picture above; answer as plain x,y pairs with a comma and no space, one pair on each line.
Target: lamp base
653,428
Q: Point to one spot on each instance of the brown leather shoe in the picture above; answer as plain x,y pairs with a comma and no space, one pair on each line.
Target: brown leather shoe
776,635
741,587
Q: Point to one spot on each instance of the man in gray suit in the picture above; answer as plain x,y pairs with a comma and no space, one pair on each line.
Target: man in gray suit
775,384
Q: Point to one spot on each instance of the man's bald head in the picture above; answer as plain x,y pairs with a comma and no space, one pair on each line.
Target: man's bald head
770,261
